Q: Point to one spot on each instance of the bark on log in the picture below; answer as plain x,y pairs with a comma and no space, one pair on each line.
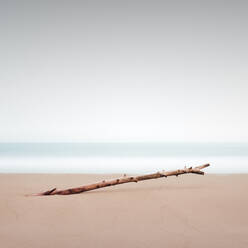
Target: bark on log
125,179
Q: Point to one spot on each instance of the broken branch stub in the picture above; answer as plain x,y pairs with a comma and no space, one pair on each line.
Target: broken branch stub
122,180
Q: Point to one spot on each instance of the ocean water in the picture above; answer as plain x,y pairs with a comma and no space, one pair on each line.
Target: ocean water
121,157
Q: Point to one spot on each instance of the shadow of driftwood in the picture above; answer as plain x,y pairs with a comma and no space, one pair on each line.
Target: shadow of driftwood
134,189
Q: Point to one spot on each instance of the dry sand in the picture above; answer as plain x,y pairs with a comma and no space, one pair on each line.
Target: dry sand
188,211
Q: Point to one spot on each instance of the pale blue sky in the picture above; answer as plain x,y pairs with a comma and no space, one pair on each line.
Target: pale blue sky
123,71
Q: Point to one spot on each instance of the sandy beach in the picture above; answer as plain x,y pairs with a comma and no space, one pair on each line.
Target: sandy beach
188,211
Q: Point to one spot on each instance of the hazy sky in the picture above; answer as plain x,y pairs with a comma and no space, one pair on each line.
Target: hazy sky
123,70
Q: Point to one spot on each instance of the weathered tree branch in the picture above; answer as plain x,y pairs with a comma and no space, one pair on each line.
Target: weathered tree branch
124,179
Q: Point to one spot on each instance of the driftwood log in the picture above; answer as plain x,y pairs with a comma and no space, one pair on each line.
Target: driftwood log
124,179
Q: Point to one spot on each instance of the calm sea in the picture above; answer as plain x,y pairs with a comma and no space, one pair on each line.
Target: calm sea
120,157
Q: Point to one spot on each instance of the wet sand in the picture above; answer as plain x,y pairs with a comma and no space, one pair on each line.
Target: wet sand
188,211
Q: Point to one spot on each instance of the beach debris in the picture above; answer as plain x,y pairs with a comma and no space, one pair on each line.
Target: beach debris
122,180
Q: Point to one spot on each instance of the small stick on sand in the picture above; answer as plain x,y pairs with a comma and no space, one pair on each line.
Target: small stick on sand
125,179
